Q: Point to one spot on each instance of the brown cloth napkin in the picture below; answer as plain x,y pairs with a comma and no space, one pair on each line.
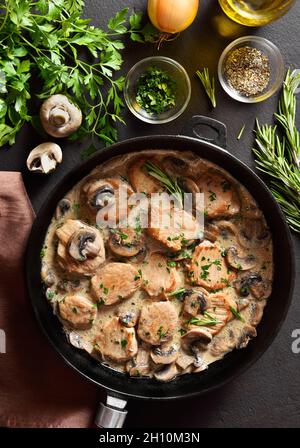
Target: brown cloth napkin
37,389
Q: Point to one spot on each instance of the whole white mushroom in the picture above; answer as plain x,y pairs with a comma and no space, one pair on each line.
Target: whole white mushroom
59,117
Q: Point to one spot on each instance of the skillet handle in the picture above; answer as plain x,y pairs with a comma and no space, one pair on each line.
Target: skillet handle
196,126
112,414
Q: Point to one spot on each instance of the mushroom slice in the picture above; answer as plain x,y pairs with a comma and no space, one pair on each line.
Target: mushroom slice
129,319
239,262
85,244
78,311
44,158
256,312
59,117
165,354
126,243
196,301
62,208
168,373
184,361
208,268
115,282
116,342
158,278
141,181
201,335
157,323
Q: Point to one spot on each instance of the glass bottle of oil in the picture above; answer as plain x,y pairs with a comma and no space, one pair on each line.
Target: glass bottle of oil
255,12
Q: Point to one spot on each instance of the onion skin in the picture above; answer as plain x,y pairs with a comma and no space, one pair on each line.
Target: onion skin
172,16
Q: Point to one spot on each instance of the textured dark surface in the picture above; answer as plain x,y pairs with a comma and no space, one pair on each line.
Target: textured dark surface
269,393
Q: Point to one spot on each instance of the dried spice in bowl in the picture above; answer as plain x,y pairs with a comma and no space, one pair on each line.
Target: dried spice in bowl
247,70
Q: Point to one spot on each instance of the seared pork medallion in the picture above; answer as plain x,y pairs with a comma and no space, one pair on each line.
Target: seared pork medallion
156,298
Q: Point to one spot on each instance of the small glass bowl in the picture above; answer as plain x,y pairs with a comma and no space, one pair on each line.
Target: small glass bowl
276,68
183,89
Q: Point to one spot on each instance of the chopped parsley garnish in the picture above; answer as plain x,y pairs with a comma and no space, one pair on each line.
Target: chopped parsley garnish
212,196
172,264
155,91
161,333
74,309
105,290
43,252
124,342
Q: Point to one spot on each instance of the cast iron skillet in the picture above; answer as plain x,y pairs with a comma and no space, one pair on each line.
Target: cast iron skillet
119,386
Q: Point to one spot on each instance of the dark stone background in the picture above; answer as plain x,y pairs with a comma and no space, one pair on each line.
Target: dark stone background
268,394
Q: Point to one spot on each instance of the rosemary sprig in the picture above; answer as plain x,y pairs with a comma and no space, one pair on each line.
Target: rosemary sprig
208,320
280,157
240,134
171,185
236,314
208,84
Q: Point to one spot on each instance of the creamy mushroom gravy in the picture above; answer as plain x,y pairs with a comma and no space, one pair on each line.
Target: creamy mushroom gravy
149,303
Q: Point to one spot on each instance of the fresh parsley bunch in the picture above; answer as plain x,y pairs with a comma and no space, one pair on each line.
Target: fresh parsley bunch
51,39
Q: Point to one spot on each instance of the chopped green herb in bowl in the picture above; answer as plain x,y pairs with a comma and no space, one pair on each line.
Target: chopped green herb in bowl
157,90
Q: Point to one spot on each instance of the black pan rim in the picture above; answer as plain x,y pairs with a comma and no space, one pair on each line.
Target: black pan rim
106,154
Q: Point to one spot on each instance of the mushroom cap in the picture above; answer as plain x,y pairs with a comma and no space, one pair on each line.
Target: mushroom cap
44,158
85,243
59,117
202,335
168,373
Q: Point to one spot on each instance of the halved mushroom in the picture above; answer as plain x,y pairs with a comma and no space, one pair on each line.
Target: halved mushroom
254,284
69,285
140,364
102,196
165,354
44,158
255,234
77,341
85,244
62,208
80,249
199,336
126,243
59,117
239,262
47,274
168,373
129,318
196,301
248,333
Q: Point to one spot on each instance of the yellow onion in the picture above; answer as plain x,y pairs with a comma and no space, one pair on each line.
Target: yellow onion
172,16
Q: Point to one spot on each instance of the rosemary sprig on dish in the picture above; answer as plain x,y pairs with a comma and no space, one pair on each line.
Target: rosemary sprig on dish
208,84
207,320
280,157
171,185
236,314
